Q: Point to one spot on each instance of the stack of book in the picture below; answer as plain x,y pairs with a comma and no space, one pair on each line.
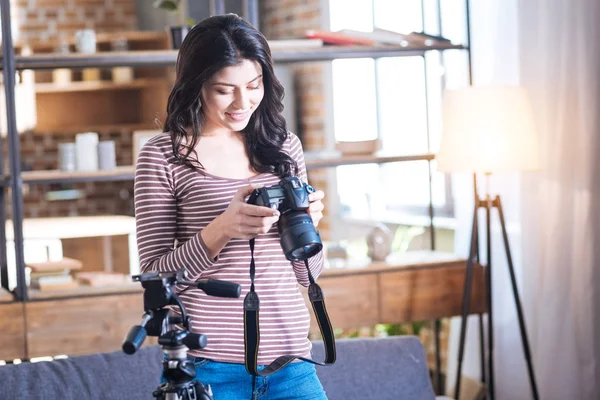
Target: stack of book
377,37
53,275
100,278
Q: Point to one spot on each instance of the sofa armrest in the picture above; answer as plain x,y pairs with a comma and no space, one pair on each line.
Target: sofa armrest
376,368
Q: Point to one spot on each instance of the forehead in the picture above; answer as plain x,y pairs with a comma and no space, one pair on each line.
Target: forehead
239,74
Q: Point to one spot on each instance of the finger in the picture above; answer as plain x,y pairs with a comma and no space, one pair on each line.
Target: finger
259,222
316,217
258,211
318,195
317,206
245,191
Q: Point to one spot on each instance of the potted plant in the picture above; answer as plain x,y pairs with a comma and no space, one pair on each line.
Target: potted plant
184,24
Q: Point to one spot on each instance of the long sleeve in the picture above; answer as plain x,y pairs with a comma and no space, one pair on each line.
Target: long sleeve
156,219
316,262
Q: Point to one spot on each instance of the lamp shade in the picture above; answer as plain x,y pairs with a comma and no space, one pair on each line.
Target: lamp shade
487,129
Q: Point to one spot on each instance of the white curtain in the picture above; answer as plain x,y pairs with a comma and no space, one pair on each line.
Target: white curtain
560,65
495,60
552,48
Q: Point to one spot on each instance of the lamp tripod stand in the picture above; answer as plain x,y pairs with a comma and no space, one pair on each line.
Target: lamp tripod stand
488,204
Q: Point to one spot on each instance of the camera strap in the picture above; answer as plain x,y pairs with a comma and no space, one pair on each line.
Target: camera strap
252,331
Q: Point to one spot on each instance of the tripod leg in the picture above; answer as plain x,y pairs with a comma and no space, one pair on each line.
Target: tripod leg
520,315
438,361
482,348
466,302
488,280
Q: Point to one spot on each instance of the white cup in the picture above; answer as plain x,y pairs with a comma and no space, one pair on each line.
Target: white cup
107,158
67,157
85,41
87,151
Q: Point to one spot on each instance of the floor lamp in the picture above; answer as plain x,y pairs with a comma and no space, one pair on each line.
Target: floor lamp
487,130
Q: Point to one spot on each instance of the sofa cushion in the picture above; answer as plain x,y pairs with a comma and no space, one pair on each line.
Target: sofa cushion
382,368
98,376
376,368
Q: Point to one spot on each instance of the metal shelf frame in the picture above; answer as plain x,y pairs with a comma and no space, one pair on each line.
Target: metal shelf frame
10,64
165,58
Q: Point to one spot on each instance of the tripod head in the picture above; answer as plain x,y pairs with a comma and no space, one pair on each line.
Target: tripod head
158,320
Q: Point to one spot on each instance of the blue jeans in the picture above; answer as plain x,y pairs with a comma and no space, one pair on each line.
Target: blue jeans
297,381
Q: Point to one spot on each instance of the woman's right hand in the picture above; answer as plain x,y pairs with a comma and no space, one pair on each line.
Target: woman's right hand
244,221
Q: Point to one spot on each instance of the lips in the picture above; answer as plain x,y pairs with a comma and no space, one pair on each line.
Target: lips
238,116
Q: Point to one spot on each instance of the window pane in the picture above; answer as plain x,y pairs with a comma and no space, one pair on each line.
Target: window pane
351,14
358,186
388,191
402,108
398,16
355,109
407,185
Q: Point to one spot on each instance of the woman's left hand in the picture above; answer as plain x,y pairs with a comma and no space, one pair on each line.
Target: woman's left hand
315,209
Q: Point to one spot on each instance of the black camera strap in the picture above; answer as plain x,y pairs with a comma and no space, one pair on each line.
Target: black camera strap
252,331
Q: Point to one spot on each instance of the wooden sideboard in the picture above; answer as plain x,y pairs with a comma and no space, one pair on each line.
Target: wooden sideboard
12,327
414,286
78,321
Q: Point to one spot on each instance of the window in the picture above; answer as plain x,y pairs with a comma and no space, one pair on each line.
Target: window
397,100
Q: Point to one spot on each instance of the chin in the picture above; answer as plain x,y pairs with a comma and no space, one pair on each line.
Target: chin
238,126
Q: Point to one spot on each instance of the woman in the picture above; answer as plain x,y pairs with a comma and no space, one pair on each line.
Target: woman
224,136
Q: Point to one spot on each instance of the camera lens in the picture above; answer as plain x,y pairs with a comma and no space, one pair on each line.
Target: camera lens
299,238
303,252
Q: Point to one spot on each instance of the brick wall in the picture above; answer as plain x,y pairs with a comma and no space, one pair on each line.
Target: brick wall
288,19
39,153
39,21
47,20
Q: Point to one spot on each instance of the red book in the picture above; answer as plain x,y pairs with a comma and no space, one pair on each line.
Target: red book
338,38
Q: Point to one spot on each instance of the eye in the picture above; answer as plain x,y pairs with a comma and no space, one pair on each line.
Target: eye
254,87
223,92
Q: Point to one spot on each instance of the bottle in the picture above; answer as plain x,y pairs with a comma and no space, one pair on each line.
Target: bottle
121,74
62,76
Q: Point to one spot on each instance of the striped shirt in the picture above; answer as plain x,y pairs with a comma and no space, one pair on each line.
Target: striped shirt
173,203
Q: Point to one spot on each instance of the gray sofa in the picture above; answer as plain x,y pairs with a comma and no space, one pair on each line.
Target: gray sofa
382,368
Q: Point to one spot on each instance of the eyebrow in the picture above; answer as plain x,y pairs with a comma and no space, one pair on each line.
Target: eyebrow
229,84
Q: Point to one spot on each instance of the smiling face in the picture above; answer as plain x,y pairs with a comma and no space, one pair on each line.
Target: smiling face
230,97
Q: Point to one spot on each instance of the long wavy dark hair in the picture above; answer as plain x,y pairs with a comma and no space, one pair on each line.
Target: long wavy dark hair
217,42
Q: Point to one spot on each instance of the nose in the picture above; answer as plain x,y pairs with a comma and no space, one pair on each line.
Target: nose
242,100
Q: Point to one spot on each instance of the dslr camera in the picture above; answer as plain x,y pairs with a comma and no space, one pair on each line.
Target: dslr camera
299,237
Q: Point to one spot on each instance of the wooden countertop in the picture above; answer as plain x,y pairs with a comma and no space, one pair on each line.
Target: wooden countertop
86,291
406,261
74,227
5,296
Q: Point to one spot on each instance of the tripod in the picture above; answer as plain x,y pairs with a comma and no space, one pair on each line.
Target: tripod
488,204
178,371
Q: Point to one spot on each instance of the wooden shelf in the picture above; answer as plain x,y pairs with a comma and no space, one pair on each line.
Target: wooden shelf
314,161
85,291
87,86
55,176
155,58
128,172
101,38
100,129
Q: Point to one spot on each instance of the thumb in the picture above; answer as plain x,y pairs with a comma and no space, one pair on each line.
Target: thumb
245,191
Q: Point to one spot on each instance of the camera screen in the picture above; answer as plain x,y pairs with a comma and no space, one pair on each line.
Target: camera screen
275,192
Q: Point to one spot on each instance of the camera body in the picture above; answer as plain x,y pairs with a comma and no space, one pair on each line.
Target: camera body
299,238
290,194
